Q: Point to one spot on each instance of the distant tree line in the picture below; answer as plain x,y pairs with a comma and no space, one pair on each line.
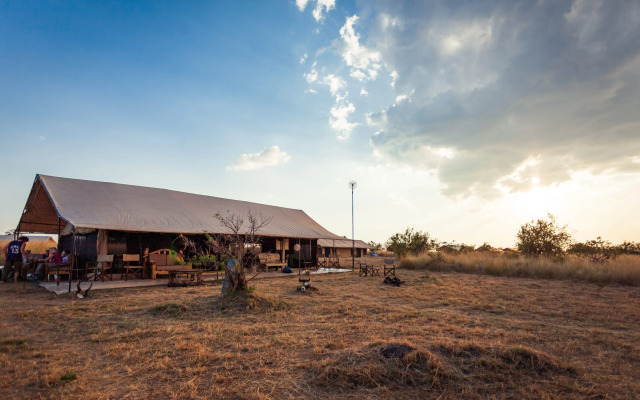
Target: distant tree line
542,237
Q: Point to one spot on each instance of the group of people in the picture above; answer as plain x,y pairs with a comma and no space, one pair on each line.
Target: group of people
17,257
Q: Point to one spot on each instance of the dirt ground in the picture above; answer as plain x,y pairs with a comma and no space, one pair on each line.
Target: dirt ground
440,335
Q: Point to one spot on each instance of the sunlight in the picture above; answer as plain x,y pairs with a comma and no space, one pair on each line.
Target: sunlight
534,203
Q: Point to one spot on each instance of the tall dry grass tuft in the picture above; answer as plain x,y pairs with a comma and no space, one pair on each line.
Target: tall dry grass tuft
371,366
624,270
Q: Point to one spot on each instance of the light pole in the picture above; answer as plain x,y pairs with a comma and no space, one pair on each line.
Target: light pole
353,185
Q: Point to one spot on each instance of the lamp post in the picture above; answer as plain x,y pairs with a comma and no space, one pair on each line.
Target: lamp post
353,185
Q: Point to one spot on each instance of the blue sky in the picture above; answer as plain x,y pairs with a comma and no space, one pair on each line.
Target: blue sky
463,119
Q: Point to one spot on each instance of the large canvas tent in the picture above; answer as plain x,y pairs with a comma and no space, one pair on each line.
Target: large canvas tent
62,204
116,218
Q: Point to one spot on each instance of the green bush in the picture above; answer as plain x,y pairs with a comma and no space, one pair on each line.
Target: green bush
411,242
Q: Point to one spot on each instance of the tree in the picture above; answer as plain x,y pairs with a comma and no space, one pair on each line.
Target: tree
597,250
375,246
237,246
628,248
543,237
411,242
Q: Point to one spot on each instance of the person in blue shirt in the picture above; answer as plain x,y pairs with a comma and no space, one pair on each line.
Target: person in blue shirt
13,253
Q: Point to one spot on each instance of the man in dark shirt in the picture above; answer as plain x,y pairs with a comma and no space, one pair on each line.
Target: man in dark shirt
13,253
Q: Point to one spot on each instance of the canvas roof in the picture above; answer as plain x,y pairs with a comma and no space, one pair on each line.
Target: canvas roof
32,239
343,243
87,204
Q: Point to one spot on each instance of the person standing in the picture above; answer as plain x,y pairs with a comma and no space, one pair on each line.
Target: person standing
13,253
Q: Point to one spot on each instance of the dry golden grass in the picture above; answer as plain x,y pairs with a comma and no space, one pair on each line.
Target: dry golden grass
444,335
624,270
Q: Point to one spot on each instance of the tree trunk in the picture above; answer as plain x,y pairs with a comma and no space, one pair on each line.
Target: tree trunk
235,279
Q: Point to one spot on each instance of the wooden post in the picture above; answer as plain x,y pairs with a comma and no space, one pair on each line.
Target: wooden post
73,258
58,278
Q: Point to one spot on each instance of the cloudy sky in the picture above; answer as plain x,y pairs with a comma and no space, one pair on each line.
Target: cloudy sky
464,119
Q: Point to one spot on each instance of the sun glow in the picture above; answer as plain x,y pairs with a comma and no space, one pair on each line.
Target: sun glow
536,202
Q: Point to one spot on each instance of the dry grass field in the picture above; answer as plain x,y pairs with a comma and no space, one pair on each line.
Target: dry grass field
624,269
443,335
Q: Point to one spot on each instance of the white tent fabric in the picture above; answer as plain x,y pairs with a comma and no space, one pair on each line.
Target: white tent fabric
88,205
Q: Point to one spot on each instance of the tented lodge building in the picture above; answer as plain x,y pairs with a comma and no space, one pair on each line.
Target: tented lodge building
94,218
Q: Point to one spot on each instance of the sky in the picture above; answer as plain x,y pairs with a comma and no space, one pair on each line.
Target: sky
463,119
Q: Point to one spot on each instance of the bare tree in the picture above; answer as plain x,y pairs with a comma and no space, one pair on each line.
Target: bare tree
237,246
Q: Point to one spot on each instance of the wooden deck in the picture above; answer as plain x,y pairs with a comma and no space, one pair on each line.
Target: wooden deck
133,283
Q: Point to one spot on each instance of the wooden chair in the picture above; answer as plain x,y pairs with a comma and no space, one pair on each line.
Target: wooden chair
389,266
62,269
364,269
131,265
334,261
322,262
100,268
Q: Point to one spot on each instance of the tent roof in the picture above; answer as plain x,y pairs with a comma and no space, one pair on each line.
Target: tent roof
343,243
101,205
32,239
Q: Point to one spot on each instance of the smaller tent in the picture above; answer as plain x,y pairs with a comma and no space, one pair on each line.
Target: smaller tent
342,247
36,244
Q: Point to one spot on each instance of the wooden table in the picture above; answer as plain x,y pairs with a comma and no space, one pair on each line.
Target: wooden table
193,276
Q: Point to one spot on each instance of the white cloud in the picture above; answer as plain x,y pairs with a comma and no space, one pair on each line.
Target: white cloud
303,59
363,92
403,97
339,120
311,76
364,63
494,85
394,78
266,158
321,8
301,4
41,137
335,83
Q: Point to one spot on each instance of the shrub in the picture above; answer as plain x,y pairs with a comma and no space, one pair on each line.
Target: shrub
543,237
411,242
597,250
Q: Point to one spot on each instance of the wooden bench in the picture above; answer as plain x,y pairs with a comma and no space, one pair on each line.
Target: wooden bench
270,260
163,258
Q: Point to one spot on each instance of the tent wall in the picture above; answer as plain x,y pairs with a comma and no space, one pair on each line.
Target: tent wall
86,247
